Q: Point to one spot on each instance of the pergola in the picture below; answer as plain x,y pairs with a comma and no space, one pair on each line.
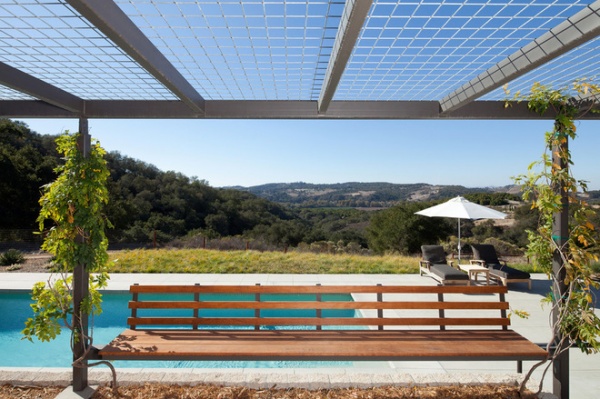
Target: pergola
380,59
310,59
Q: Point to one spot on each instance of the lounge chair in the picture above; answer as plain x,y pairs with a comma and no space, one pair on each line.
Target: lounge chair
434,264
485,255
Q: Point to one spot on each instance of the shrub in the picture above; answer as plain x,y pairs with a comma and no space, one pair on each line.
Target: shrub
12,257
504,248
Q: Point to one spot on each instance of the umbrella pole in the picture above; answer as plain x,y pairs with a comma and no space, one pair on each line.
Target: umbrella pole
458,240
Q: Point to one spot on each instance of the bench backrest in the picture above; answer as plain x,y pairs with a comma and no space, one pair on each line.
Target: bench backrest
315,306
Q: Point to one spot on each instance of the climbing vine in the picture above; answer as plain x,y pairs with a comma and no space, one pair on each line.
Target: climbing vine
547,184
72,222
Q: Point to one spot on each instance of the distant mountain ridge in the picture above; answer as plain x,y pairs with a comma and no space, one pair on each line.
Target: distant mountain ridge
367,195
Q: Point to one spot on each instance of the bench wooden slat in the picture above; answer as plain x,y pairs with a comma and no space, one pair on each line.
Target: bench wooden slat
312,321
322,289
434,300
314,305
321,345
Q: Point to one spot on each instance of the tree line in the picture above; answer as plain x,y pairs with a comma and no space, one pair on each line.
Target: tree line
146,203
370,195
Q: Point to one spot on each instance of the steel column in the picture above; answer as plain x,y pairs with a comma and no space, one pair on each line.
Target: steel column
81,280
560,233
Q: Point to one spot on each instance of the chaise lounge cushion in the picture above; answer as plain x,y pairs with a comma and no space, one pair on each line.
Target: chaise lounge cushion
508,272
487,253
447,272
434,254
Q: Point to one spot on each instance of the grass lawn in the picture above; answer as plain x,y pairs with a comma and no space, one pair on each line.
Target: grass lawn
222,262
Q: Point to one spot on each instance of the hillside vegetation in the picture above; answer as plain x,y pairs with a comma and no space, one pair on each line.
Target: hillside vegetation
149,207
145,204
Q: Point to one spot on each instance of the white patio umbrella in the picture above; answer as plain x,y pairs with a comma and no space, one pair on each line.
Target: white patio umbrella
461,208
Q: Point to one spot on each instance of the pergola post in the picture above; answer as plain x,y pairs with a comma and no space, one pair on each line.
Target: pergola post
81,279
560,233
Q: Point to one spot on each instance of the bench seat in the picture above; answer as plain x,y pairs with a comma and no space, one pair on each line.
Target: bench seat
350,345
319,323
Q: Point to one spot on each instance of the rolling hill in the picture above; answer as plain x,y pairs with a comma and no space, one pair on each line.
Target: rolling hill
362,195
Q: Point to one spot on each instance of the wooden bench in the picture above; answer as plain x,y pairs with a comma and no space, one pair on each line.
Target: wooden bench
392,323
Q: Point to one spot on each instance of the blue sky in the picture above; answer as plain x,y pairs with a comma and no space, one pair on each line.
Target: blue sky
253,152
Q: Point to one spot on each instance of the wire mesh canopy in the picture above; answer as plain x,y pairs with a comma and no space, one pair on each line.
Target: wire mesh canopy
395,59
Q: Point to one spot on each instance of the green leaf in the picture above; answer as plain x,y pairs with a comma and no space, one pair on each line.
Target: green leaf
73,223
576,317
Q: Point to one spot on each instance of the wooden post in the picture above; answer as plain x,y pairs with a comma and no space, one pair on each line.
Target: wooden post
81,283
319,312
441,311
257,309
196,312
380,311
135,297
560,233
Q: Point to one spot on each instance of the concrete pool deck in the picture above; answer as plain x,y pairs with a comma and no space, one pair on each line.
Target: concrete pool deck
584,369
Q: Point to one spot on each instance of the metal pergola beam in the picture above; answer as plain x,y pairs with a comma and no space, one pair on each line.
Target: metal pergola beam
115,24
25,83
223,109
353,18
580,28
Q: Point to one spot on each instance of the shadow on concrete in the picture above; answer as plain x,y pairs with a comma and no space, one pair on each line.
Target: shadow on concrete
543,287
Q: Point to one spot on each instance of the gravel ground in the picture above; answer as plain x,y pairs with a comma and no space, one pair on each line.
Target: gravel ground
23,392
35,262
162,391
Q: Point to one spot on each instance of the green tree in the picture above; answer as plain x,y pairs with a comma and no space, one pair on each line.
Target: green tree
27,161
399,229
486,229
287,233
72,207
550,186
335,224
491,198
525,219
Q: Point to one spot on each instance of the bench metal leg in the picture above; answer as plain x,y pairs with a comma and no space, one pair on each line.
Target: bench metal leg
520,366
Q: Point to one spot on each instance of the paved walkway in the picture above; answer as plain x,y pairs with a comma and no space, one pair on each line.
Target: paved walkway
585,369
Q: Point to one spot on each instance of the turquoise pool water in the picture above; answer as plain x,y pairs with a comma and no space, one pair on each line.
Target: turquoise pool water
15,309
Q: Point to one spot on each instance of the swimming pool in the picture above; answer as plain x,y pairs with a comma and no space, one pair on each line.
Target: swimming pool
15,309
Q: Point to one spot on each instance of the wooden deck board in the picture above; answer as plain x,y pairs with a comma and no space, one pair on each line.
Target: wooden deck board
321,345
